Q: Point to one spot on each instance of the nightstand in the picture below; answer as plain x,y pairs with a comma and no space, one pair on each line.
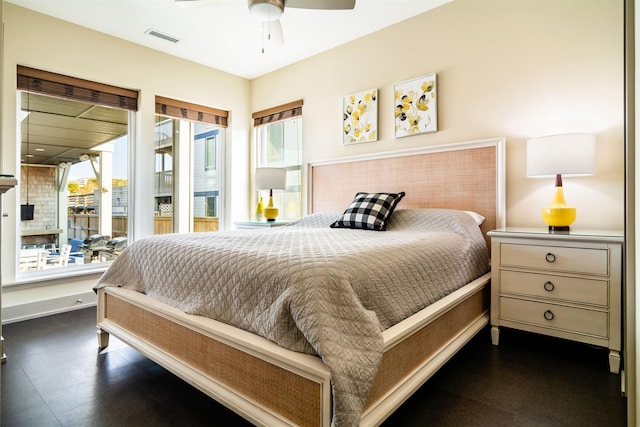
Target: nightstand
563,285
260,224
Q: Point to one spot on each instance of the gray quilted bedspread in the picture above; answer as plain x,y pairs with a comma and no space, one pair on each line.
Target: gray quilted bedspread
311,288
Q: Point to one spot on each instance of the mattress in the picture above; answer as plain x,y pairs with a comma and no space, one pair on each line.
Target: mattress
311,288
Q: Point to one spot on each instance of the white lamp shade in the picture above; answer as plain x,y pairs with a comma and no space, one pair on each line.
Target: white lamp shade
571,154
271,178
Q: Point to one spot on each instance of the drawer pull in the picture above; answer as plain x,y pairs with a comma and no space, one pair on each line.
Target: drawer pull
549,286
549,315
550,257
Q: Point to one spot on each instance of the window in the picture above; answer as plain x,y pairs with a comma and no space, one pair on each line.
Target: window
212,206
211,150
278,144
206,177
74,179
189,143
165,132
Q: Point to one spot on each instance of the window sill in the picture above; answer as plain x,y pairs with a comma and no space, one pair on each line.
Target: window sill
55,274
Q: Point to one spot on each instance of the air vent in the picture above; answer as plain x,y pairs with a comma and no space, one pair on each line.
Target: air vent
162,36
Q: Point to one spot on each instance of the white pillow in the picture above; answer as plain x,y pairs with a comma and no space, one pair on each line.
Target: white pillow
479,219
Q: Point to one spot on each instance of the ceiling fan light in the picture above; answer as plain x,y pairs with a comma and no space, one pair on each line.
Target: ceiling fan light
266,10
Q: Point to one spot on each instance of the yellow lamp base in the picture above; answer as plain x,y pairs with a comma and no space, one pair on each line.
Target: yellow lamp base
260,210
270,212
559,216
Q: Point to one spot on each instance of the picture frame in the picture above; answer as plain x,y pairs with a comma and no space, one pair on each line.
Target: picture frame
416,106
360,117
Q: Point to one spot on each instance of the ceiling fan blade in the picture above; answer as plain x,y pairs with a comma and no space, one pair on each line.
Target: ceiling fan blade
321,4
272,33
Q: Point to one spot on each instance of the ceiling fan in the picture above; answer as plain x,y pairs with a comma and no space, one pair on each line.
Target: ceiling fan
270,11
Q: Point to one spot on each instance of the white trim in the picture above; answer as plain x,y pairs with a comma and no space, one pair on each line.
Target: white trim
48,307
501,197
454,146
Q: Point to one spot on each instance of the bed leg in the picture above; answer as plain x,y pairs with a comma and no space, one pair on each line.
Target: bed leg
103,338
495,335
614,362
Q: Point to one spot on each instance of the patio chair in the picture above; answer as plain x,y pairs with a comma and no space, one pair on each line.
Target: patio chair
33,259
60,260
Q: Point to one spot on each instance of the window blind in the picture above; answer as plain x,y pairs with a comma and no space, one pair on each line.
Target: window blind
282,112
193,112
73,88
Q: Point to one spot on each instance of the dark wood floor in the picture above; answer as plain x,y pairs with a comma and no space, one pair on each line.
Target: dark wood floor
55,376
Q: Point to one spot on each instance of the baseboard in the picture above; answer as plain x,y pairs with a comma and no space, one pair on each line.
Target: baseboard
32,310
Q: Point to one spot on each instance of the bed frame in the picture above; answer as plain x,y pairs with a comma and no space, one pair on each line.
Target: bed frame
271,386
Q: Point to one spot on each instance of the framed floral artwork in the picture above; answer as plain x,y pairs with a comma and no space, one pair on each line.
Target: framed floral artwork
416,109
360,117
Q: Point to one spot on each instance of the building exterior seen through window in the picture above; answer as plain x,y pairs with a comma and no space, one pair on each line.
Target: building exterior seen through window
176,140
73,183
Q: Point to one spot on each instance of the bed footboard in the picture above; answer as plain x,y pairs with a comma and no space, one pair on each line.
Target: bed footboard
264,383
272,386
417,347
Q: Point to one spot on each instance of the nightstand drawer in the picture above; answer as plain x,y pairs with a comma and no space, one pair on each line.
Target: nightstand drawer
580,290
571,319
555,258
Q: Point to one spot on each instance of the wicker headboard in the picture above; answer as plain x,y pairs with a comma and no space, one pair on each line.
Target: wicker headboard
465,176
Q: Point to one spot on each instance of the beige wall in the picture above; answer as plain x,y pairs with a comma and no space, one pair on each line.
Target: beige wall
512,68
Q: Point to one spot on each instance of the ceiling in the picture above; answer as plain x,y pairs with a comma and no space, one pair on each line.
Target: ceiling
222,33
57,131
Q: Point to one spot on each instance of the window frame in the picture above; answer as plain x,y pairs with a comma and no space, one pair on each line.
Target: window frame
263,122
211,153
188,116
46,83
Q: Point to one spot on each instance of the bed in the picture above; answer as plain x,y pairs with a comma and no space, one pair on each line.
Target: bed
274,377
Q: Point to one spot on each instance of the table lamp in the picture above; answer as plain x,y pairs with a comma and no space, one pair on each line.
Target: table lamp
270,179
556,155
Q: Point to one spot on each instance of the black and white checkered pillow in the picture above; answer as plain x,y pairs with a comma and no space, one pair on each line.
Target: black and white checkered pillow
369,211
